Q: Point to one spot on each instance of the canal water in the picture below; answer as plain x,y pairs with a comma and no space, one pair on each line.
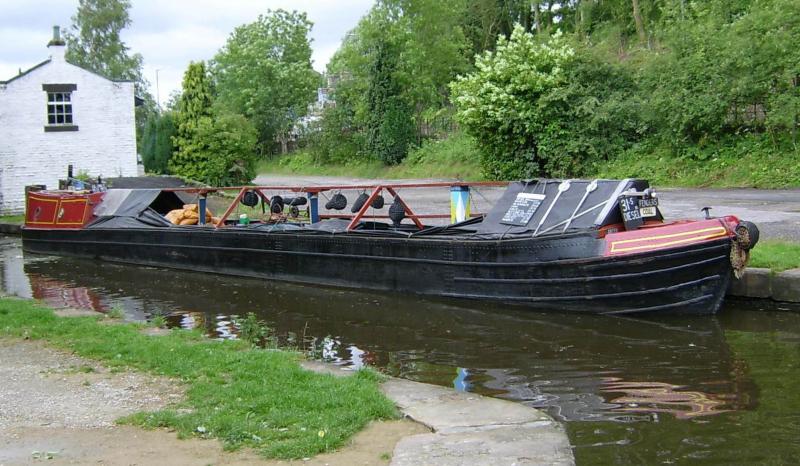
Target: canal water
669,390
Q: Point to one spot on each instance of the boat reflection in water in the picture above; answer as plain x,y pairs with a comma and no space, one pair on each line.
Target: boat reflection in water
578,367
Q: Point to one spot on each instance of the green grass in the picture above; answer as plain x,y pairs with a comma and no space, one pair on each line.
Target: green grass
245,397
455,157
776,255
16,219
749,162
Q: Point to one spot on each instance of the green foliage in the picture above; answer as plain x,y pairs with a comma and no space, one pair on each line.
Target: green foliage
157,145
95,43
244,397
691,92
228,156
743,161
264,73
13,219
195,110
391,73
504,103
455,157
389,128
255,331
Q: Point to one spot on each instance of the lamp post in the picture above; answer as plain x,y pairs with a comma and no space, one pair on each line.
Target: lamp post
158,93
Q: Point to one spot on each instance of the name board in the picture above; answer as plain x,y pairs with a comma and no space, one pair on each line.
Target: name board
631,215
522,209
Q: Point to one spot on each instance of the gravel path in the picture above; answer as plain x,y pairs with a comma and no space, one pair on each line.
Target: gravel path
59,409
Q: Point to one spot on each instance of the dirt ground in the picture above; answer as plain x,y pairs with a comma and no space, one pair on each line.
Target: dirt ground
56,409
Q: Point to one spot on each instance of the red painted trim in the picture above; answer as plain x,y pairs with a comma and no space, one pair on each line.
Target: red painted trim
668,236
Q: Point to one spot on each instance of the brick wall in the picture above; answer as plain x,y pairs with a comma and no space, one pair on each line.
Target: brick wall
105,143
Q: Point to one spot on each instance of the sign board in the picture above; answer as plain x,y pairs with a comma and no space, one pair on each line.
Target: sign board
631,215
522,209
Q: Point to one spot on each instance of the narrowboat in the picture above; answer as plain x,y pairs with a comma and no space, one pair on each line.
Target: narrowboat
596,246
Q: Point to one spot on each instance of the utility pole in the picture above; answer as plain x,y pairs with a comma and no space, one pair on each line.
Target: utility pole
158,94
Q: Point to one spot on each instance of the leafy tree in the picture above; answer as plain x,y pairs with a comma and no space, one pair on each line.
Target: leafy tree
390,130
264,73
191,154
157,146
212,146
229,156
94,43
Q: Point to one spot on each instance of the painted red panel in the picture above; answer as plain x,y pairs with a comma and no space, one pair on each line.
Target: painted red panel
669,236
60,209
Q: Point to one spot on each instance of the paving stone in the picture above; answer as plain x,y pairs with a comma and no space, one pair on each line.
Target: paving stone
786,286
755,283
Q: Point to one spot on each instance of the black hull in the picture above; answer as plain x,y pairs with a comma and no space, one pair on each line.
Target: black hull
564,273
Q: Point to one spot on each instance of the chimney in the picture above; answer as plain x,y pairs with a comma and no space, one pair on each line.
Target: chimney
56,45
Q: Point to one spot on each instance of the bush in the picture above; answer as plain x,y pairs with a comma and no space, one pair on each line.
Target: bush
544,109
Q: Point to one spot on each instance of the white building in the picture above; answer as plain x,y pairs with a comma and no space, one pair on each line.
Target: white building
57,114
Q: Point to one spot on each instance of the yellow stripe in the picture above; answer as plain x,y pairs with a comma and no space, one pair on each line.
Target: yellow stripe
669,243
673,235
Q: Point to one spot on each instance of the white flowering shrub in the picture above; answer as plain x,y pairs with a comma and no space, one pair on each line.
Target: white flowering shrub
538,108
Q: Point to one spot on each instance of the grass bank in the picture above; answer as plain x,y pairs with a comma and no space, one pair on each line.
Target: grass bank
744,162
454,158
245,397
15,219
776,255
749,164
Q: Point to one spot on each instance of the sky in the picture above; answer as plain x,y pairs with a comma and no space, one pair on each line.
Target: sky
169,33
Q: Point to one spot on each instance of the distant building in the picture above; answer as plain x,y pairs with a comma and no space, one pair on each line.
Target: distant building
57,114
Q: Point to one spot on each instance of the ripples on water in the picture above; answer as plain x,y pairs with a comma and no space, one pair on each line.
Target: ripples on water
703,390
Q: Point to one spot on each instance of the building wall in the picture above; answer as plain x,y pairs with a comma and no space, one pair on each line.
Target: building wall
105,143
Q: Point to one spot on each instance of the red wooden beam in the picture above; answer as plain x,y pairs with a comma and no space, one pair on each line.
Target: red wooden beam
364,208
231,207
409,213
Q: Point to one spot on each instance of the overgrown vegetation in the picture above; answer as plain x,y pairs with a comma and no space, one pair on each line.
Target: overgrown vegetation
455,157
687,93
243,396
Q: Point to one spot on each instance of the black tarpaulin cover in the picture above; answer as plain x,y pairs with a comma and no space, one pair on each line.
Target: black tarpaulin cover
135,208
587,210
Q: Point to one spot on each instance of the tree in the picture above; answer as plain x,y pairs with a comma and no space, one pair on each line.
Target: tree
94,43
212,146
191,155
264,73
156,147
390,130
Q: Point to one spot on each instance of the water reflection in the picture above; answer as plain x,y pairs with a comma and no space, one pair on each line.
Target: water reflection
676,378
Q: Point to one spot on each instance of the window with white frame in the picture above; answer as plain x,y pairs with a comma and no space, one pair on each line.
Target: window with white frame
60,115
59,108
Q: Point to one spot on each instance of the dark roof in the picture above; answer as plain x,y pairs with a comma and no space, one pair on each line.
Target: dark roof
26,71
145,182
81,67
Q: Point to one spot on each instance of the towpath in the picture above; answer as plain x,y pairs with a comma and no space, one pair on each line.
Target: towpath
776,212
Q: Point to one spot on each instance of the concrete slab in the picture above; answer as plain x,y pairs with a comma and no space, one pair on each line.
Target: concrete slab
786,286
510,445
10,229
754,283
470,429
444,409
